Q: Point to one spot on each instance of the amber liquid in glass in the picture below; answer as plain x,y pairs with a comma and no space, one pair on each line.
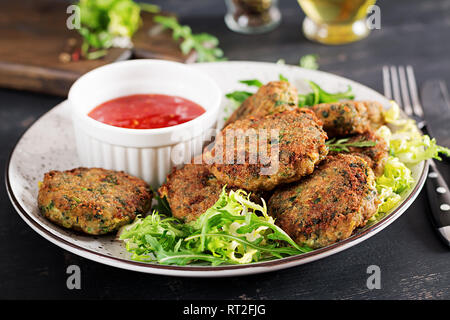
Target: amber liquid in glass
335,21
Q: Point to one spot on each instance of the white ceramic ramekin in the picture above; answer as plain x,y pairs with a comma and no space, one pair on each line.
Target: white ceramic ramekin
146,153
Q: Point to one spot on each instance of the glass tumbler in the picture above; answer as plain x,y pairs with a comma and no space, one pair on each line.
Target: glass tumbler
252,16
335,21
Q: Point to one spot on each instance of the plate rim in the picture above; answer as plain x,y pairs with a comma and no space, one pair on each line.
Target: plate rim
210,271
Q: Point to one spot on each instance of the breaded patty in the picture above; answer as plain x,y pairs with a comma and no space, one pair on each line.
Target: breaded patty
343,118
329,204
350,117
275,96
191,190
93,200
374,113
375,156
298,147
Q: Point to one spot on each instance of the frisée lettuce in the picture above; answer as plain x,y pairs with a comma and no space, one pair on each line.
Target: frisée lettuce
234,230
407,147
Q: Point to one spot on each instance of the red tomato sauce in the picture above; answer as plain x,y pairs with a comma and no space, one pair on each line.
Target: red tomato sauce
146,111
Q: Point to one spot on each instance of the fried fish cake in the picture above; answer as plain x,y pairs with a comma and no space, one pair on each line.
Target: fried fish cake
328,205
273,97
93,200
294,142
375,156
191,190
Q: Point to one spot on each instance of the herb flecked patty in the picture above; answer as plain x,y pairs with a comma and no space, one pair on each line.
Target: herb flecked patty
93,200
328,205
273,97
192,190
350,117
299,147
375,156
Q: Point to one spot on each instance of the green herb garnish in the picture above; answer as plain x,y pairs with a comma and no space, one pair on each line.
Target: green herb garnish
252,83
282,78
309,61
318,95
204,44
238,96
340,145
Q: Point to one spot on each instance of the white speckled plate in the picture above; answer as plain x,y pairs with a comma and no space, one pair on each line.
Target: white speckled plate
49,145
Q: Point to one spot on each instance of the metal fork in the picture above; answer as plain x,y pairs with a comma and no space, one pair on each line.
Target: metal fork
400,85
404,91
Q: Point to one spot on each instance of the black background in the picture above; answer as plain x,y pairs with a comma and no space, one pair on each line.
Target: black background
414,263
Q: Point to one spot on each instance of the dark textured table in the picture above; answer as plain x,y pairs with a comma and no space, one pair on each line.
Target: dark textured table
414,263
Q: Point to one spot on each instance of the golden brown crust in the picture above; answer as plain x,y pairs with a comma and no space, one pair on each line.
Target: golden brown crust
93,200
342,118
301,145
191,190
273,97
375,156
374,113
329,204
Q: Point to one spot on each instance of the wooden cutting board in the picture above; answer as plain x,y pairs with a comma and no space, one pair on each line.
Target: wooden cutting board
33,34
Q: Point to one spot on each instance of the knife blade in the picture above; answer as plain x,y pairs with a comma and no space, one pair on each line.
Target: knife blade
436,108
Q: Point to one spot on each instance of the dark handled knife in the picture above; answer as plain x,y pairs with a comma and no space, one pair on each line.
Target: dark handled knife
439,199
437,117
435,100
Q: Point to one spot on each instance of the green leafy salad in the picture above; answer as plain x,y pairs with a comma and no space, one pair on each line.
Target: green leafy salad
407,147
107,23
236,230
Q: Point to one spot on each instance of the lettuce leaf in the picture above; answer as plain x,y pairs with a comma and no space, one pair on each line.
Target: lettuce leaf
395,180
309,61
407,147
234,230
407,143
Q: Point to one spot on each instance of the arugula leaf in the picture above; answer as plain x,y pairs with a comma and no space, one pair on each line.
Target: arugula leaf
204,44
309,99
343,144
309,61
252,83
233,231
282,78
318,95
326,97
238,96
162,206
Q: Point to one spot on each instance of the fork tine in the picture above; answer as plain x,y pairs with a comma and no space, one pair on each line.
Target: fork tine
387,83
404,91
396,87
418,110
